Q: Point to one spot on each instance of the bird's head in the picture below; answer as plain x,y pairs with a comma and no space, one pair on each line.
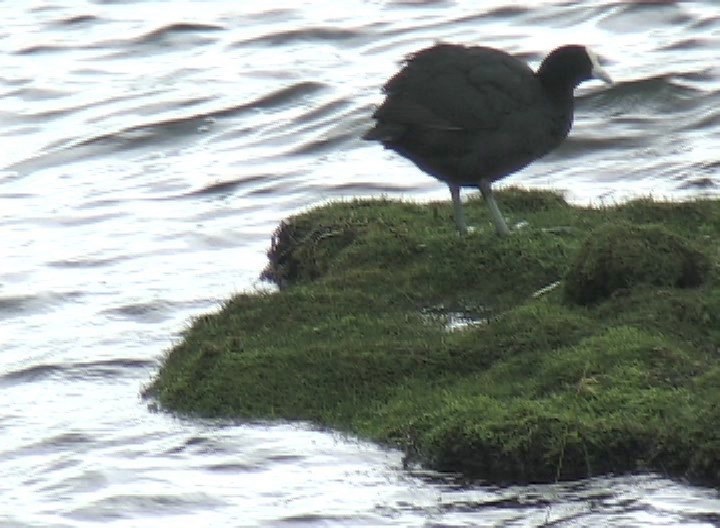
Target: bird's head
568,66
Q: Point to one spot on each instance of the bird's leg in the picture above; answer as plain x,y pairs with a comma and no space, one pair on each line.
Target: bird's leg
497,218
458,209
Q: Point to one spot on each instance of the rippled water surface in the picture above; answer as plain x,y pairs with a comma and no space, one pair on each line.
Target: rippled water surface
149,149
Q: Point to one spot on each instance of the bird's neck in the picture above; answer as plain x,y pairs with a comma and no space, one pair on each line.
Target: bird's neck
559,89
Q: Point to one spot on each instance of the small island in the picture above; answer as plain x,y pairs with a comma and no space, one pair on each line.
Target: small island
586,343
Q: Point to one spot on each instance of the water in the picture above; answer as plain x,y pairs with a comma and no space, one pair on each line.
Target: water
149,149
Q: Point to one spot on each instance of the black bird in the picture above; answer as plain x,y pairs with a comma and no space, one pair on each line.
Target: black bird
471,115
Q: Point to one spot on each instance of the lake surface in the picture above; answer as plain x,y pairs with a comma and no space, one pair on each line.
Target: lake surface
150,148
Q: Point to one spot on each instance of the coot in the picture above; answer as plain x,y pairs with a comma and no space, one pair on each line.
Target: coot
471,115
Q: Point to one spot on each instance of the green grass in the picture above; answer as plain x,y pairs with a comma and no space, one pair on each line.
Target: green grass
616,370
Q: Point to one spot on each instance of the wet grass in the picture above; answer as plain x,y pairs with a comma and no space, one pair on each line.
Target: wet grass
616,370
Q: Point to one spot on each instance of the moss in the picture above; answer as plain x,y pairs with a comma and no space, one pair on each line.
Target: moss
619,256
615,371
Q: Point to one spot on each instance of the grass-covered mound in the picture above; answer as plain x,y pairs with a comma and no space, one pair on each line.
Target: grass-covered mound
616,370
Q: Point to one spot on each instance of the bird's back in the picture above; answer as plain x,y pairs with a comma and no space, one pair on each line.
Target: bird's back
466,113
